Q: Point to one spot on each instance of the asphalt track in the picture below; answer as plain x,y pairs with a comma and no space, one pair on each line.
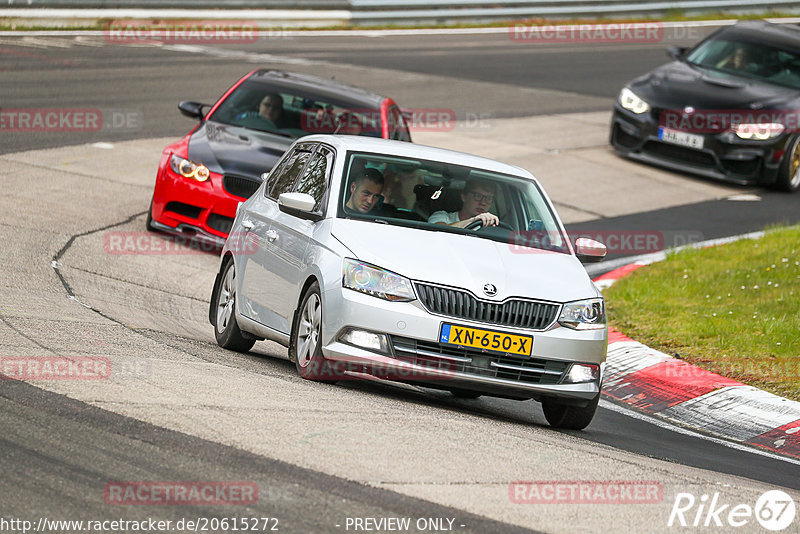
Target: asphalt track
145,83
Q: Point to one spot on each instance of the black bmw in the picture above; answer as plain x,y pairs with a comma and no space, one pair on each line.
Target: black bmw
728,108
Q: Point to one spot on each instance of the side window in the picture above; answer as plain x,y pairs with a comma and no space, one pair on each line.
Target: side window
287,175
397,125
314,179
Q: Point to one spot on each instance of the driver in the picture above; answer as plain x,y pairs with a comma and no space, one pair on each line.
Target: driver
477,198
365,191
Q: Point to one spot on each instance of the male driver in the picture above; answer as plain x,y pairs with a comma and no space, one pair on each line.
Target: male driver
365,190
477,198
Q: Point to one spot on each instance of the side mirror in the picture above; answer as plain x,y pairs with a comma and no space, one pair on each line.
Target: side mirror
676,52
299,205
193,110
589,250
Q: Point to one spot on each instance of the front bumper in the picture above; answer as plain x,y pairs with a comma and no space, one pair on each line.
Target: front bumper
723,156
416,356
200,210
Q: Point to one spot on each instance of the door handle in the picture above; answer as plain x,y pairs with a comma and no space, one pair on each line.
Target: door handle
247,225
271,235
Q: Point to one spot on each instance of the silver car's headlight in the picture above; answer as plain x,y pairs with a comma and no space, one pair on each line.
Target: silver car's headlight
366,278
631,101
760,132
589,314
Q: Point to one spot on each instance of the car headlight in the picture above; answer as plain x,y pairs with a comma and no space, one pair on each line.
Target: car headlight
580,373
759,131
587,314
366,278
631,101
188,169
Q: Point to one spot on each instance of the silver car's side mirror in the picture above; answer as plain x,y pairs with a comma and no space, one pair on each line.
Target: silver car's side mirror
589,250
298,204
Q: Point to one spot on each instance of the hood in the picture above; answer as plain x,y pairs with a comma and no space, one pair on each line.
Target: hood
676,85
467,262
236,150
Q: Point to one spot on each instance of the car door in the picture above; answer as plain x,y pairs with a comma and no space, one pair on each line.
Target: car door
292,236
260,283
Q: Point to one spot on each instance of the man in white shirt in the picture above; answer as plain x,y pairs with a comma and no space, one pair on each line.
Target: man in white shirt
477,198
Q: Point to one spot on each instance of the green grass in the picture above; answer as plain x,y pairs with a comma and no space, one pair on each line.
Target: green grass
733,309
673,15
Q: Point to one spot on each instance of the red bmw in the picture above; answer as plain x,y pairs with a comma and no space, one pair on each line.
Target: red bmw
203,177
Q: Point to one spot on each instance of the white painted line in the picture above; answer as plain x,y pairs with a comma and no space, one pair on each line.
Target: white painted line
107,146
681,430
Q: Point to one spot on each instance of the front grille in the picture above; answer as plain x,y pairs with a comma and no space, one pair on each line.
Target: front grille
187,210
679,154
240,185
625,139
463,305
436,356
220,223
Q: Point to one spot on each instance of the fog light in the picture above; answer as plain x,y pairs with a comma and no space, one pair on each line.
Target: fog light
582,372
365,340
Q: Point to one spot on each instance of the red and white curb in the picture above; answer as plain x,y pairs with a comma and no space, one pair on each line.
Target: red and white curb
658,384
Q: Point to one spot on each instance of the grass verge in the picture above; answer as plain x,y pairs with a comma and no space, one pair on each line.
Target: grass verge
733,309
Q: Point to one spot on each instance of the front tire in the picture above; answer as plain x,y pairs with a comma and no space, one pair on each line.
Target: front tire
226,330
306,346
789,171
569,417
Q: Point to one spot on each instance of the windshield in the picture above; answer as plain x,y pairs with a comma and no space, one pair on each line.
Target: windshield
436,196
293,113
750,59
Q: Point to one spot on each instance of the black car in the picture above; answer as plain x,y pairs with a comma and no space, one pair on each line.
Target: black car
728,108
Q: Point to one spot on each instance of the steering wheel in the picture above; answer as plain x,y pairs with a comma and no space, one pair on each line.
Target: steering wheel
477,225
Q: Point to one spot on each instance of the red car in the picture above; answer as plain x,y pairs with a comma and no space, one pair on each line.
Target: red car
203,177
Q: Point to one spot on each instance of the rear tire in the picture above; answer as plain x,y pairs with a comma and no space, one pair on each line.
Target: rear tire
226,330
789,172
569,417
306,346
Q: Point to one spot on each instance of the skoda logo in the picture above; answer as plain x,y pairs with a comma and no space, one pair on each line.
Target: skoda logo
490,290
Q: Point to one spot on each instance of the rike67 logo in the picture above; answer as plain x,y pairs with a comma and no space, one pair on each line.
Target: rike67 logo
774,510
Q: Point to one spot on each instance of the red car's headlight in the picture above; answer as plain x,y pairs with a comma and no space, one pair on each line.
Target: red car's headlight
188,169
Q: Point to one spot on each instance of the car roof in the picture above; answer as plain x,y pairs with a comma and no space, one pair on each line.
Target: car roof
323,87
786,35
401,148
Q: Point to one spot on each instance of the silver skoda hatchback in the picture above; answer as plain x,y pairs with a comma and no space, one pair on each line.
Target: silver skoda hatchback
415,264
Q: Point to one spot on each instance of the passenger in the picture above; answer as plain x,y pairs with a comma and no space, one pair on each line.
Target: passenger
477,198
365,191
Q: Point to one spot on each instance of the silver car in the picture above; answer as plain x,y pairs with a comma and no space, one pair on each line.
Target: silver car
415,264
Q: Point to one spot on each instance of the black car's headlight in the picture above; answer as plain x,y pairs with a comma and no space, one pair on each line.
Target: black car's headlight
589,314
188,169
760,132
632,102
366,278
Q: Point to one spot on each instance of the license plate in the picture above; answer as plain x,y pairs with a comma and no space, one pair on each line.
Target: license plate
465,336
680,138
